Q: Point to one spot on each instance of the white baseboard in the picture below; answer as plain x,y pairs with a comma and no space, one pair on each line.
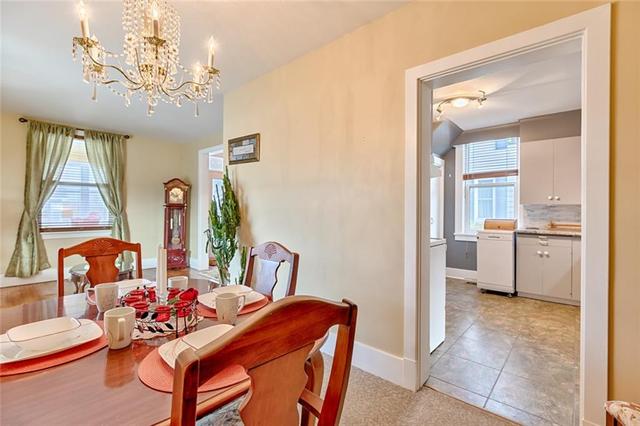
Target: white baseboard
463,274
47,275
372,360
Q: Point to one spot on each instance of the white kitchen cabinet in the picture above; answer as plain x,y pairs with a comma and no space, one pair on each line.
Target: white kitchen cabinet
536,172
566,170
550,171
545,267
528,270
556,271
576,276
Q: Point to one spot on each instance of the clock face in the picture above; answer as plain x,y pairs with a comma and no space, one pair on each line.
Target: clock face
176,196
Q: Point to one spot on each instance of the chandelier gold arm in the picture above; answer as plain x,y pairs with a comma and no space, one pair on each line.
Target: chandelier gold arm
87,43
211,72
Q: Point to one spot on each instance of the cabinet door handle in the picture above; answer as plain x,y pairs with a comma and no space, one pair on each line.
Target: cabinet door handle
539,253
546,253
556,198
549,197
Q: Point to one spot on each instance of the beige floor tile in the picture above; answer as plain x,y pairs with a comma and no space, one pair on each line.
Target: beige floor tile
465,374
553,403
456,392
489,352
479,331
543,364
516,415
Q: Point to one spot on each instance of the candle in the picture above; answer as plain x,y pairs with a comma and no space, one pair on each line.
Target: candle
161,272
211,51
84,19
155,17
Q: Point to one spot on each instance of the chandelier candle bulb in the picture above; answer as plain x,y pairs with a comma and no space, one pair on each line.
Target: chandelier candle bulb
84,20
155,16
211,51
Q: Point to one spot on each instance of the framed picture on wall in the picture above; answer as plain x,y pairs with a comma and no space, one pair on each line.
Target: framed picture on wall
245,149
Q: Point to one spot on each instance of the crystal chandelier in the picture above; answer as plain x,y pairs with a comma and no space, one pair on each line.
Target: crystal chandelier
149,65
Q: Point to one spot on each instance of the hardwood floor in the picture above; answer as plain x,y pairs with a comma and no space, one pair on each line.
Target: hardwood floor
18,295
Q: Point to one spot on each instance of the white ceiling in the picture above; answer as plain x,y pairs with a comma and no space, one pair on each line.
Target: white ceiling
542,83
39,78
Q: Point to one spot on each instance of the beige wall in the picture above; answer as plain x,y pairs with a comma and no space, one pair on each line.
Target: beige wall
190,170
330,180
145,174
624,338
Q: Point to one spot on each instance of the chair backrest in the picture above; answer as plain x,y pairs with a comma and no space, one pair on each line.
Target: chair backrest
272,255
273,346
101,255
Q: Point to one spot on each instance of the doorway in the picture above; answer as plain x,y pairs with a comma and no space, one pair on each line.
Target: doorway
592,28
210,168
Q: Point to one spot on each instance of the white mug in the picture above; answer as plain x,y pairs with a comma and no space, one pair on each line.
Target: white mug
228,305
180,282
118,326
105,296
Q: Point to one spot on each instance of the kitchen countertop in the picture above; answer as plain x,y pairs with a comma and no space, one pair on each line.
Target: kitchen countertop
554,232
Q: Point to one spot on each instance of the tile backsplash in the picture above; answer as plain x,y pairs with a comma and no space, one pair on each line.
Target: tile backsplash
539,215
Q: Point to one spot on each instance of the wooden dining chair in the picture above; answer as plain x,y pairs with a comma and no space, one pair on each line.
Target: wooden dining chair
273,347
272,255
101,255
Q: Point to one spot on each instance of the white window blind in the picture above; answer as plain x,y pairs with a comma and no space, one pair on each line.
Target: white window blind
496,158
76,203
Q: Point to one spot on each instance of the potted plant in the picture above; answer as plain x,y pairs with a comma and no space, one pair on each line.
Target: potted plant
224,219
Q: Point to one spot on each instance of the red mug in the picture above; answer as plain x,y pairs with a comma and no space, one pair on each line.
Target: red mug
136,293
164,313
183,308
151,294
140,306
130,300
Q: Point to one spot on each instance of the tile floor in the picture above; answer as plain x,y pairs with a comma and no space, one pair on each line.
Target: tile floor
516,357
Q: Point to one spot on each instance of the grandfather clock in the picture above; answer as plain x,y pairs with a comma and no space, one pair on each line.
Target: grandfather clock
176,200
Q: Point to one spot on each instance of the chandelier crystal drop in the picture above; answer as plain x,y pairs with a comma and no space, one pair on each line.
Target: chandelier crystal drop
149,65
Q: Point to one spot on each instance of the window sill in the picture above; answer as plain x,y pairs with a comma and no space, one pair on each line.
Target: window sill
459,236
61,235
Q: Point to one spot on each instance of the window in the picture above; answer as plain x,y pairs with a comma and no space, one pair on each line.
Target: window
486,183
76,203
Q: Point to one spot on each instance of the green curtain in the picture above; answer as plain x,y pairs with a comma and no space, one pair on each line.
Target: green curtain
48,147
107,156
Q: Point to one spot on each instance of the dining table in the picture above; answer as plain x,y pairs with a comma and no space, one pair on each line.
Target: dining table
101,388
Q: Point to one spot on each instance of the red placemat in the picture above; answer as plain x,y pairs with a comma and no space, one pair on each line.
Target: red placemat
211,313
35,364
156,374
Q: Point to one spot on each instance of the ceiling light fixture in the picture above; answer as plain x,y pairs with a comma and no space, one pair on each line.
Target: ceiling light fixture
460,102
149,65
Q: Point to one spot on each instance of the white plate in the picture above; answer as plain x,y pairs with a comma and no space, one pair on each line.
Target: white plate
236,289
86,332
170,350
126,286
42,335
209,299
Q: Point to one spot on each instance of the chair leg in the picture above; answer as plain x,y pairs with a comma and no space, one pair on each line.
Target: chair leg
611,421
314,367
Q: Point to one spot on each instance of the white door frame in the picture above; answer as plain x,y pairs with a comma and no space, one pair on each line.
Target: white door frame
202,203
594,29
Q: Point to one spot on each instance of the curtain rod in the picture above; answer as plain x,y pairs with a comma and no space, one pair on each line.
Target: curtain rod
25,120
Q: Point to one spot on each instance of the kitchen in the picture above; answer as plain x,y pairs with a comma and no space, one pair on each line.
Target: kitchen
506,208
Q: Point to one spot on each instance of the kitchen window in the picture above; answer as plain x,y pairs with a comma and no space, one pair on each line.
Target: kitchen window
486,184
76,203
